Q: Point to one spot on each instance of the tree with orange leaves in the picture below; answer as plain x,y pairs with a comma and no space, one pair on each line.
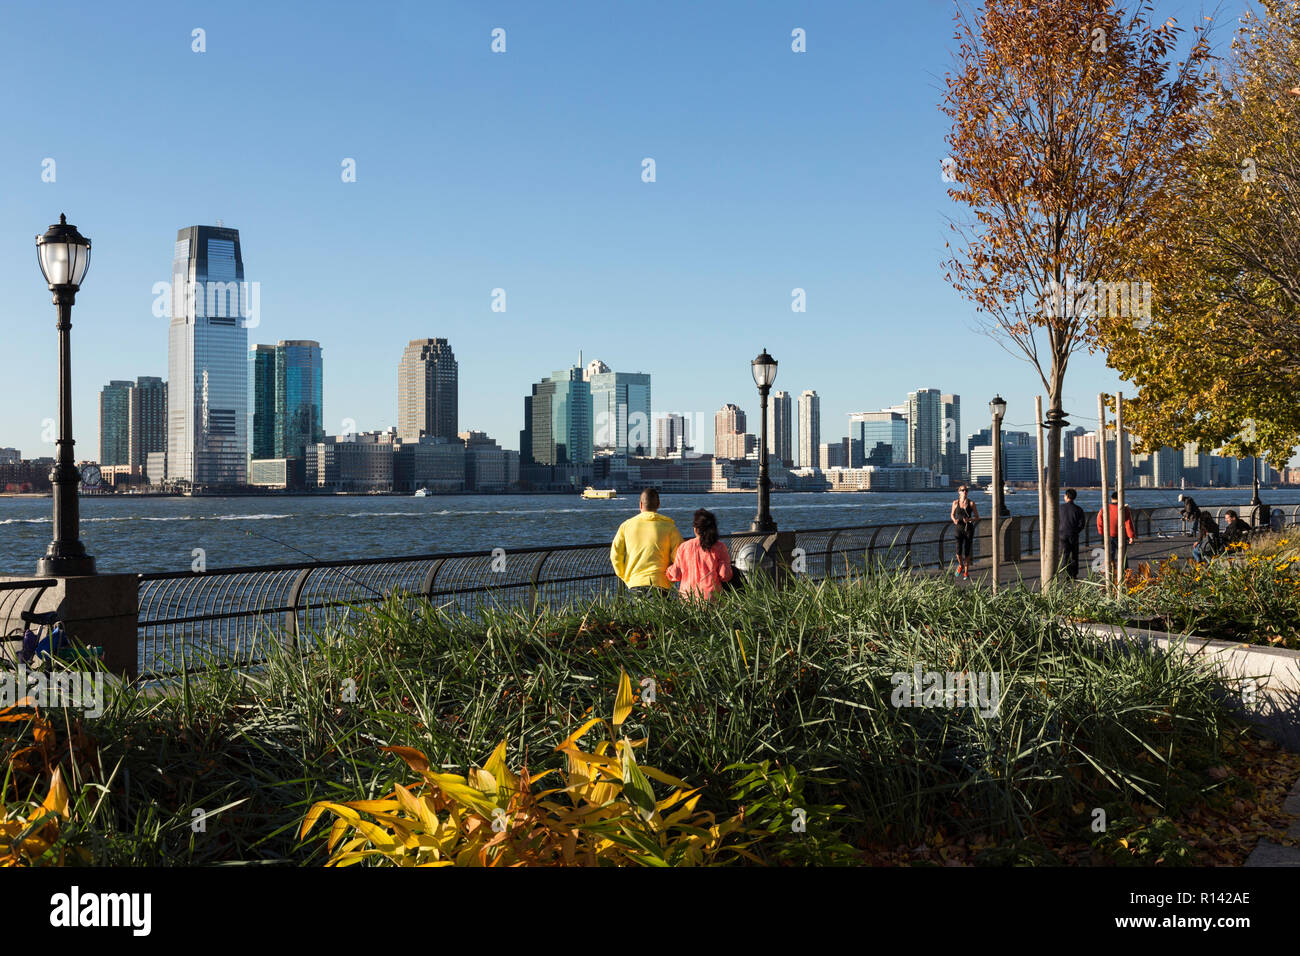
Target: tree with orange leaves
1069,117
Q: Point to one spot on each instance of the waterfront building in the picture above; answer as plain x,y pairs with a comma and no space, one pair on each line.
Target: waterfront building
427,391
672,436
953,461
877,438
729,437
925,429
115,423
207,359
810,429
559,420
620,404
261,402
780,428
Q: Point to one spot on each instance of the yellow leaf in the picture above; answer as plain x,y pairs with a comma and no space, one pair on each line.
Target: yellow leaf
623,702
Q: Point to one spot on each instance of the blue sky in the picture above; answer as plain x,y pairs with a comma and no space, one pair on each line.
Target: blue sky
521,171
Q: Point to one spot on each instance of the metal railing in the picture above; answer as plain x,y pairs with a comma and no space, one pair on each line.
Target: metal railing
238,615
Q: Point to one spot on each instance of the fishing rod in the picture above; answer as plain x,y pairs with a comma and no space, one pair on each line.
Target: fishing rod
285,544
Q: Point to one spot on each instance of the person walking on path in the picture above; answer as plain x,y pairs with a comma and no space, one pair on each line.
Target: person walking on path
1129,534
644,547
965,515
1070,525
1189,511
703,563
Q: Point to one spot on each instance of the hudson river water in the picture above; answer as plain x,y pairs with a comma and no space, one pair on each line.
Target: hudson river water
134,534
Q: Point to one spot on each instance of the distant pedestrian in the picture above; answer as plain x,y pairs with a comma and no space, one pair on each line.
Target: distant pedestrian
1129,535
1188,510
965,515
644,547
1235,531
1209,543
702,564
1070,524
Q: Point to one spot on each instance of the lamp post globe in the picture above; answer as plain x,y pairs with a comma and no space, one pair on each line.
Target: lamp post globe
64,257
764,370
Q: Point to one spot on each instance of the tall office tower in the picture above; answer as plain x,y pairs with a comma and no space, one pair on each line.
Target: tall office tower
671,436
952,459
560,419
427,390
115,423
780,445
810,429
299,411
207,357
729,432
620,407
594,367
1069,470
879,438
925,429
261,401
526,433
148,419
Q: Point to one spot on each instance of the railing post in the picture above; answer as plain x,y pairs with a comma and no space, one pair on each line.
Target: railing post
533,582
291,615
907,549
943,533
871,548
830,553
426,586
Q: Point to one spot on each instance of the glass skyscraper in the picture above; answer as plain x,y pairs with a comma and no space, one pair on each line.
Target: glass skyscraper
810,429
560,419
780,445
298,397
115,423
261,402
620,404
877,438
207,402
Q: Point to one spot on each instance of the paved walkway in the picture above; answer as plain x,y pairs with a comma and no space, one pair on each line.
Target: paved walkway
1268,853
1026,570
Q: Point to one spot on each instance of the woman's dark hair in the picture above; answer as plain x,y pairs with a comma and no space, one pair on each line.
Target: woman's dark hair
706,528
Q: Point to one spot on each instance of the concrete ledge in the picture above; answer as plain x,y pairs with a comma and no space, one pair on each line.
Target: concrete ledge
1262,683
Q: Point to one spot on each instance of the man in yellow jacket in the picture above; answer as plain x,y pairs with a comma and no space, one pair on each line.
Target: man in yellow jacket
644,548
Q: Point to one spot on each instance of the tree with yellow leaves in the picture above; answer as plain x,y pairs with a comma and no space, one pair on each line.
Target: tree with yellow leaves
1219,362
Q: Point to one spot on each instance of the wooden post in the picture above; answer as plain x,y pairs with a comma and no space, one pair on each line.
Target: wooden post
1105,485
1120,462
1045,573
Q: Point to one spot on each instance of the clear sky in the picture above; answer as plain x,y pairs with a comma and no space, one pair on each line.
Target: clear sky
520,171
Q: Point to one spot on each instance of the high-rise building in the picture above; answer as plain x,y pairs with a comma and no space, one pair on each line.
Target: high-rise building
148,419
207,358
261,402
729,432
427,391
559,413
115,423
878,438
780,447
672,436
925,429
810,429
299,410
132,421
952,455
620,403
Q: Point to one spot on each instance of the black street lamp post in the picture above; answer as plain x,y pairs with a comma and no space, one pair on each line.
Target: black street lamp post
64,255
764,369
997,409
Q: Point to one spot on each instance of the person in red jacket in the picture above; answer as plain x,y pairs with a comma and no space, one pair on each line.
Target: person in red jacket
1129,534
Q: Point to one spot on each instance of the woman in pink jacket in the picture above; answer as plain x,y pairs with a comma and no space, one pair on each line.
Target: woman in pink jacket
703,563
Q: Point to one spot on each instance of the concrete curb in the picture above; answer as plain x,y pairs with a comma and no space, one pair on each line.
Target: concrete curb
1262,683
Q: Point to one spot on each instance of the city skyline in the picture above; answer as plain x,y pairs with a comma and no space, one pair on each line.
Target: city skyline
685,277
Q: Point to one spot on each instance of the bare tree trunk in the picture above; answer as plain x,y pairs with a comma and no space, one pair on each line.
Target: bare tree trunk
1051,543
